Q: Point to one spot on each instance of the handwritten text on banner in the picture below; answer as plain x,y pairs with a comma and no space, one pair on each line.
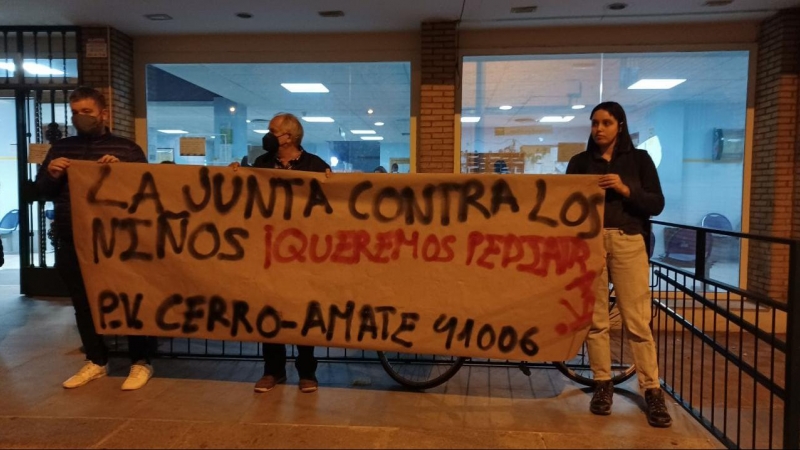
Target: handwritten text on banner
485,266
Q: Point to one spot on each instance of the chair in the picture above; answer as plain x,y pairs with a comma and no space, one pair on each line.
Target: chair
726,247
50,215
716,221
681,246
9,224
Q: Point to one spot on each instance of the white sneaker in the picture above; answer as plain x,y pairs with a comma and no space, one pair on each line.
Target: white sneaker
90,371
139,376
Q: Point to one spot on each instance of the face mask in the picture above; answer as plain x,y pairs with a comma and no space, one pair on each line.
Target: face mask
86,124
270,143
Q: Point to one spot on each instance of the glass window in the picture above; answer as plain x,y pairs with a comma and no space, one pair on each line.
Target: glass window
355,115
530,114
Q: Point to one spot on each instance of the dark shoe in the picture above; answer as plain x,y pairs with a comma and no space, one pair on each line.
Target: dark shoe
602,398
657,414
268,382
308,385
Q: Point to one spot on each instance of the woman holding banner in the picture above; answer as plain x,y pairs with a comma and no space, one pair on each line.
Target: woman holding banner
633,195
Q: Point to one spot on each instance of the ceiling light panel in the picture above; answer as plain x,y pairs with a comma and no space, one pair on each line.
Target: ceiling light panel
173,131
556,119
657,83
305,88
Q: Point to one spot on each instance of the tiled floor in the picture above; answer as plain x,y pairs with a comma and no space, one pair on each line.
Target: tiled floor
210,403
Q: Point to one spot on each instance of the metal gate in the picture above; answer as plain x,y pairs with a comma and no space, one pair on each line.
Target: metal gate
39,66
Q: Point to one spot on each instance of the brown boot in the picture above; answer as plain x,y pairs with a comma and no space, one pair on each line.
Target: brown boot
657,414
602,398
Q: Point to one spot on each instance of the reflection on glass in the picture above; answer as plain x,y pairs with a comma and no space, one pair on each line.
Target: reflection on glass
687,109
230,106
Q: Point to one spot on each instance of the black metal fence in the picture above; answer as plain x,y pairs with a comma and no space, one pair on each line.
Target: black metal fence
729,355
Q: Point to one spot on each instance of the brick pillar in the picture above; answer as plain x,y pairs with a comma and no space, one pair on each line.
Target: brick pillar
435,152
775,186
112,74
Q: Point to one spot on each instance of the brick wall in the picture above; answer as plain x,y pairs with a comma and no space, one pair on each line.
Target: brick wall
775,193
439,54
112,75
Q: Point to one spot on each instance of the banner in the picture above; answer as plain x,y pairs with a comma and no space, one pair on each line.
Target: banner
492,266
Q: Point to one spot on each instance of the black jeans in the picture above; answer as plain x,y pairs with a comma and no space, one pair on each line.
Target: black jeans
139,347
275,361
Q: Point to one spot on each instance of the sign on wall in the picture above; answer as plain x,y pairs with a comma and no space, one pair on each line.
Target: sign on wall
483,266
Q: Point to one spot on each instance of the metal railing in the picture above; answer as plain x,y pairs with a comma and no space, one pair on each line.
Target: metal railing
726,354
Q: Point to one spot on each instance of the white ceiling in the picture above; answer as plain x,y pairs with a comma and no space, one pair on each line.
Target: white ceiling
300,16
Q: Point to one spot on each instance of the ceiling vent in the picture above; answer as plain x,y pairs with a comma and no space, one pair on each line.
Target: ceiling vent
717,2
331,13
523,9
158,16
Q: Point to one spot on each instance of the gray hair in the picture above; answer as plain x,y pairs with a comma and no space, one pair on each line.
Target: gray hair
291,124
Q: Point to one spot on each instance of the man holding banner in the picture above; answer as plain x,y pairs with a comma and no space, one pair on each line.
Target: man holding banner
284,151
94,142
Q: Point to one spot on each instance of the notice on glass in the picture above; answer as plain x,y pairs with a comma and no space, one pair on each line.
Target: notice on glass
566,150
193,146
37,153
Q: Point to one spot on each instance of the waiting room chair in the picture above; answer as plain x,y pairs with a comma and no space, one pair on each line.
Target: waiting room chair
9,224
681,246
716,221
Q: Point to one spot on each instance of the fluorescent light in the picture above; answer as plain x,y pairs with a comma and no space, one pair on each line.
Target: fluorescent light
506,107
174,131
578,106
261,131
371,138
40,69
318,119
556,119
32,68
362,131
305,88
378,124
248,120
653,83
469,119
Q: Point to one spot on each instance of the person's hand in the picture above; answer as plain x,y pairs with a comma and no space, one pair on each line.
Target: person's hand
57,167
613,181
108,159
235,166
